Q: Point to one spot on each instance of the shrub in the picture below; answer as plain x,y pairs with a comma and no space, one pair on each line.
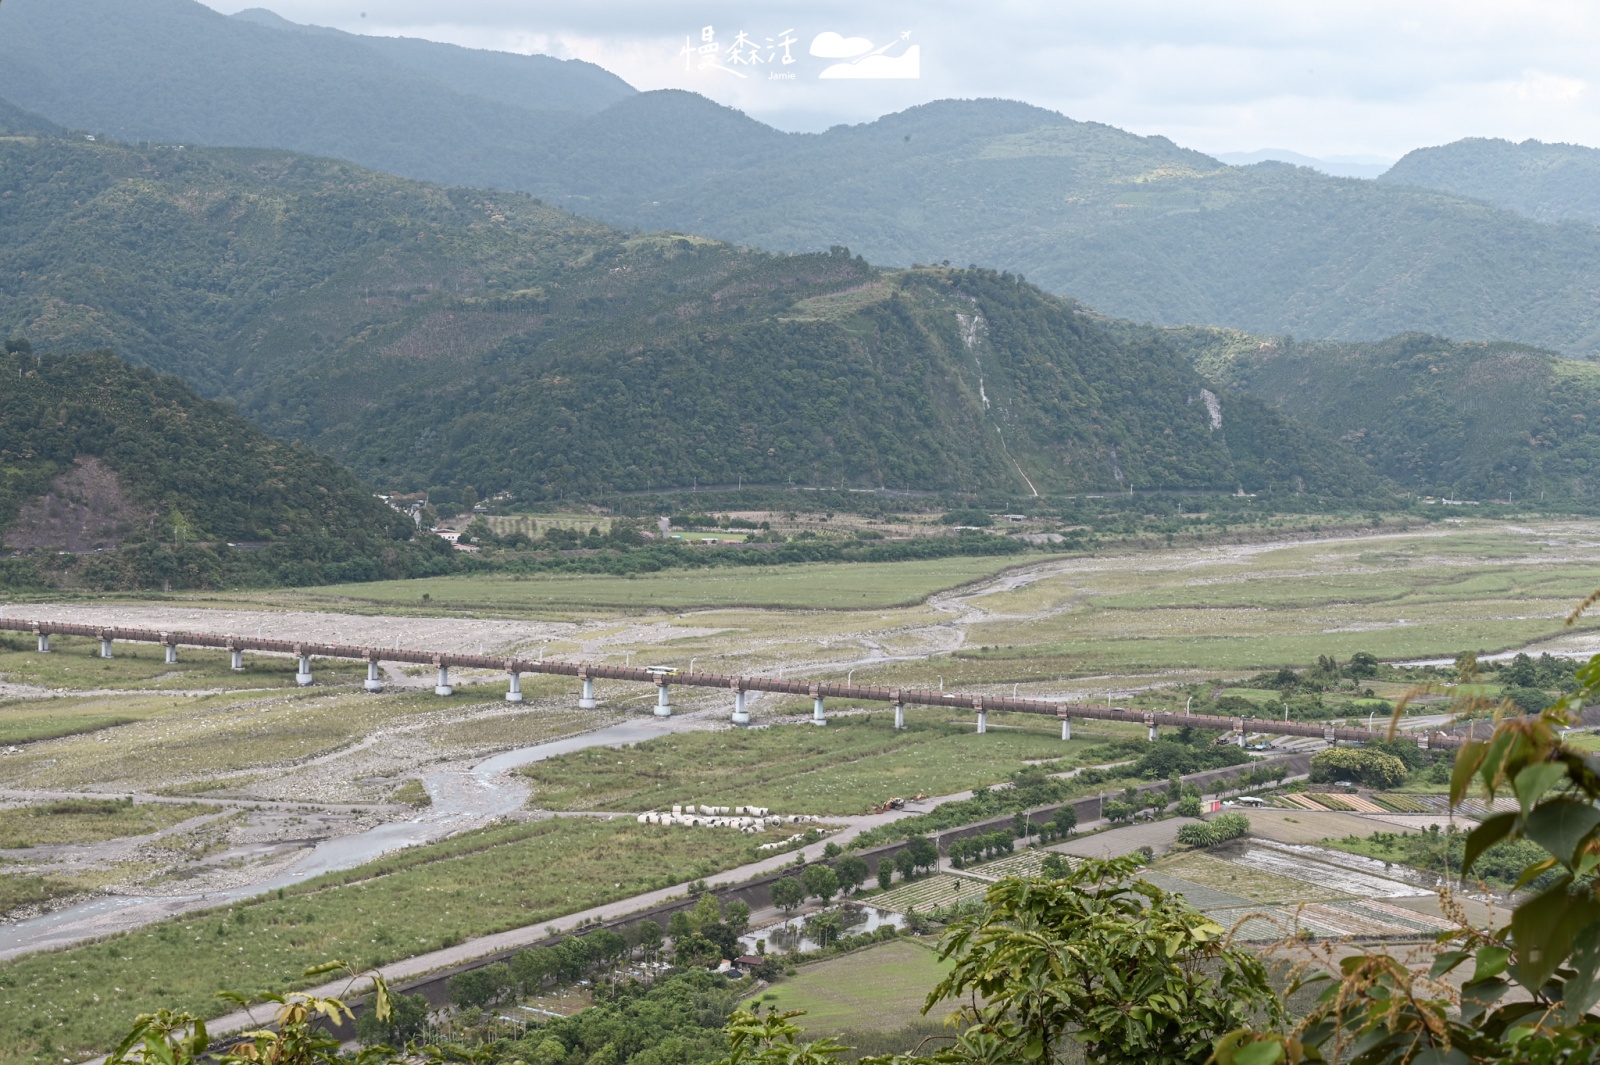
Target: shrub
1366,766
1219,829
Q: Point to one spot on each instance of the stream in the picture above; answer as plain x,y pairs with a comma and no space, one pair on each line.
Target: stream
462,798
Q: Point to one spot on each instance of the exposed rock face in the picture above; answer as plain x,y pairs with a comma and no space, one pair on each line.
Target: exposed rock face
85,509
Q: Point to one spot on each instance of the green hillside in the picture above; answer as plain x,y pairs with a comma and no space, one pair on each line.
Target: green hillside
1549,182
141,482
1464,420
434,336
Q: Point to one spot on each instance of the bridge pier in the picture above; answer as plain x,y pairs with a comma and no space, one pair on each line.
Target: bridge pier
44,643
237,656
1155,734
899,715
741,716
818,716
443,687
374,682
172,654
1066,728
303,677
983,722
105,646
663,701
587,701
514,689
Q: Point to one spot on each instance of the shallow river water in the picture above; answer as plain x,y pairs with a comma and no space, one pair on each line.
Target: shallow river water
462,797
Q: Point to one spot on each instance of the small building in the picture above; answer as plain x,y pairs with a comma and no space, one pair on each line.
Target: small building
449,536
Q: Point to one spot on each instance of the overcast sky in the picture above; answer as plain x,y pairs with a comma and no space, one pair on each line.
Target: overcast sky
1327,78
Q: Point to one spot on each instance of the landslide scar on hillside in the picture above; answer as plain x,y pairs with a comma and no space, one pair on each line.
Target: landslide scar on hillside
85,508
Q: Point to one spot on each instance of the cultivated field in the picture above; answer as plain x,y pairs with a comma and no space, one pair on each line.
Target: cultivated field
881,988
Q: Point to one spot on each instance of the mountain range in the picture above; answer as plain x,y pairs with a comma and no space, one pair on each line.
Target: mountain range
1136,227
429,335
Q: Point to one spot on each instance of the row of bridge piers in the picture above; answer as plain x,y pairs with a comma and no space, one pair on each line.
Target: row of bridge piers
665,679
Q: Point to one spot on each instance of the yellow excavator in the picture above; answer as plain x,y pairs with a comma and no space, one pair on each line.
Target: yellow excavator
896,803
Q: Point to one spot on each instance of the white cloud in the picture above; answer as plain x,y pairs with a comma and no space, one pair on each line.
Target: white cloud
1324,77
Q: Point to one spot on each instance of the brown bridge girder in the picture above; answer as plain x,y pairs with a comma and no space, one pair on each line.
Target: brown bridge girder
910,696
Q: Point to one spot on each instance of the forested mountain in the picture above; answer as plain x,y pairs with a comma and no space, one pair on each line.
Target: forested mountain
141,480
176,71
1467,420
1550,182
437,336
1135,226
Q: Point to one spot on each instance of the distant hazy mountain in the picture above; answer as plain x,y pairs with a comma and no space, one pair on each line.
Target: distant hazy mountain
177,71
1333,166
1550,182
447,336
537,83
1134,226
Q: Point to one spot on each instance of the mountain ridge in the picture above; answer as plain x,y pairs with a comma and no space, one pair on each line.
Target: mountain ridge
429,335
1544,181
1135,226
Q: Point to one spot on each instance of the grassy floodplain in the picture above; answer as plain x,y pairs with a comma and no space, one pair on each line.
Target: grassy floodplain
1066,625
75,1002
1431,593
90,821
856,760
821,586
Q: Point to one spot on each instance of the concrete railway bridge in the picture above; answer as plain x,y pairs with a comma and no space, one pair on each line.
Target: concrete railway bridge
665,679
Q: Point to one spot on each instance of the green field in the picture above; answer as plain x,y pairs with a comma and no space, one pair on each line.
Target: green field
880,988
90,821
825,586
798,768
1416,595
418,900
